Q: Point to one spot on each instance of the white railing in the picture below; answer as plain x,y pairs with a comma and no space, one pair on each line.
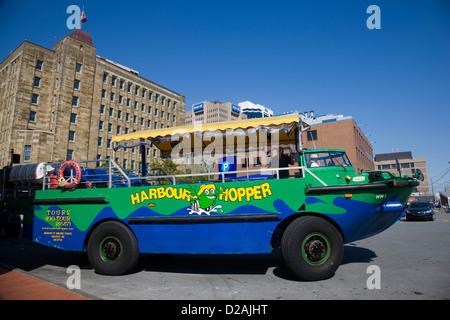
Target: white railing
107,174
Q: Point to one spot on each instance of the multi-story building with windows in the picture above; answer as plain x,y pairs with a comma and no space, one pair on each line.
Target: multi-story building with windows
69,102
255,110
401,163
341,132
209,112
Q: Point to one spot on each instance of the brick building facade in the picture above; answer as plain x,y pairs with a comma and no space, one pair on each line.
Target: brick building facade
69,102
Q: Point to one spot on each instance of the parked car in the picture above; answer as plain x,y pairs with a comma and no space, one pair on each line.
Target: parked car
419,211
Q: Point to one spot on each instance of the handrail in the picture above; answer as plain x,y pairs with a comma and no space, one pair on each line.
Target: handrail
113,170
222,174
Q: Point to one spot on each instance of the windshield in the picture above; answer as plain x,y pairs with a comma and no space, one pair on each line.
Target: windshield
419,205
327,159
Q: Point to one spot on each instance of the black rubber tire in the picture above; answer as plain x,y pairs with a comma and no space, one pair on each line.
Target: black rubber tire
119,236
302,230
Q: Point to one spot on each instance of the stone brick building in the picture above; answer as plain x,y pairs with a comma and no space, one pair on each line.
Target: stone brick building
69,102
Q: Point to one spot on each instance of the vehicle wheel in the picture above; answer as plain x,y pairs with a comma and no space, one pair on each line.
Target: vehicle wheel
312,248
113,249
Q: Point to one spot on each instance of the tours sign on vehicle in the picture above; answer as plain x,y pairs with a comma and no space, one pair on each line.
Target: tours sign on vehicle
308,210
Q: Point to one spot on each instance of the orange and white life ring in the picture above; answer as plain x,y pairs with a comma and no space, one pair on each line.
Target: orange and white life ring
72,181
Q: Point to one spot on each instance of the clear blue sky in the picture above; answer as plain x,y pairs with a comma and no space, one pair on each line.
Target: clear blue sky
286,55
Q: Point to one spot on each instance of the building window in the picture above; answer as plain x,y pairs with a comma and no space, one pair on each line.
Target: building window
103,93
37,82
35,98
100,125
110,127
76,84
312,135
128,102
102,109
119,114
129,87
78,68
113,81
27,154
120,99
112,96
73,118
75,101
121,84
69,154
105,77
100,141
71,136
111,112
32,116
39,65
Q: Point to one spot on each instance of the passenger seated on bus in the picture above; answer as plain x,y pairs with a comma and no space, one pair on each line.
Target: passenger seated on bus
312,163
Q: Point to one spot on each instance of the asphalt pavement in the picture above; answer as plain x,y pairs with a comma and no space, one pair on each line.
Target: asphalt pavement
409,261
